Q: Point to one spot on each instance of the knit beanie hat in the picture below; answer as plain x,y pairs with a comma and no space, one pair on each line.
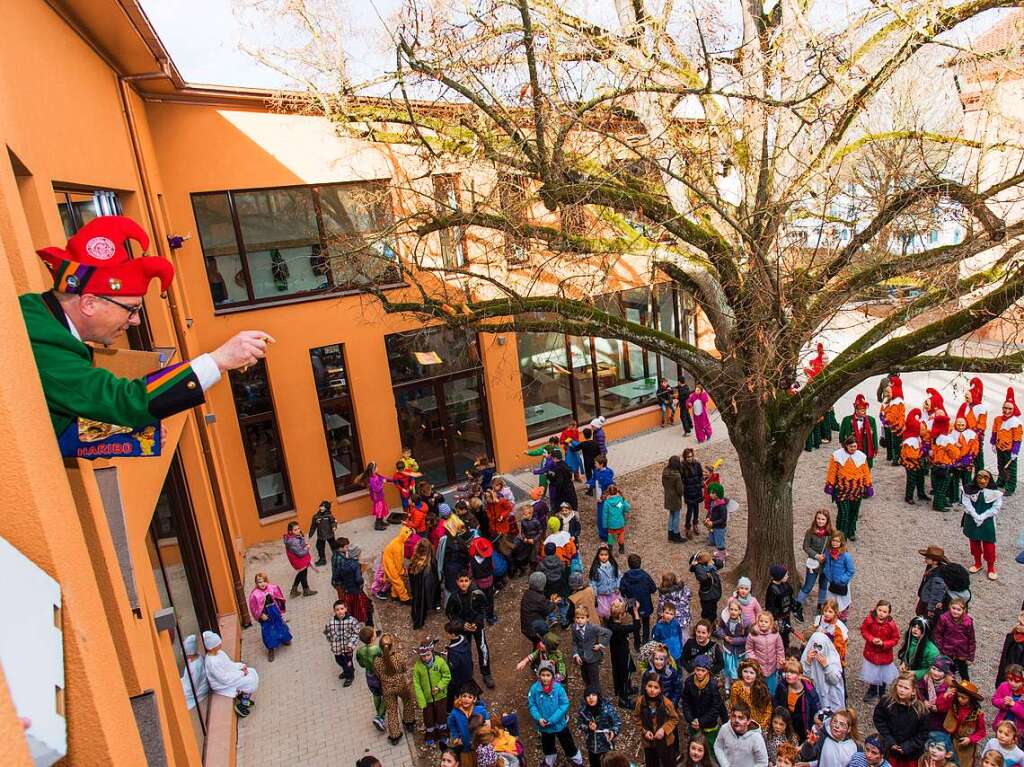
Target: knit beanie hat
777,572
554,524
538,580
743,583
702,661
549,549
444,510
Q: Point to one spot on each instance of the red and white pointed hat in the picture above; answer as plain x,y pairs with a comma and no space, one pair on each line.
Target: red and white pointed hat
912,426
95,260
1011,400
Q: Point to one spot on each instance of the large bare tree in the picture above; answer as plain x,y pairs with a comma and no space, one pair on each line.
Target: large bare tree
762,156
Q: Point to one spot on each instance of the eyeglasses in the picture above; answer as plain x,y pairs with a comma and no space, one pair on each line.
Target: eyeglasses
133,310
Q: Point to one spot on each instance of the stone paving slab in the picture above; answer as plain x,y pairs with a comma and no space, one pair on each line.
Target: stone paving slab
303,716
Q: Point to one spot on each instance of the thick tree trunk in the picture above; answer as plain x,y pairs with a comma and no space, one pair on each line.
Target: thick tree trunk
769,520
768,462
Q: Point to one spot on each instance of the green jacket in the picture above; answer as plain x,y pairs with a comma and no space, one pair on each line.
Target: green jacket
425,679
73,387
846,429
928,655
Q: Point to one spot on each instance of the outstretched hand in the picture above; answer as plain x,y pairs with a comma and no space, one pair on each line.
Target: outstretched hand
241,350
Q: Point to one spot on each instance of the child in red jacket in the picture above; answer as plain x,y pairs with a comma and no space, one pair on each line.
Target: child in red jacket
881,635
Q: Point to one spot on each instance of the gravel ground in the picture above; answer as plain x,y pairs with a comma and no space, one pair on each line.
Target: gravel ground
885,555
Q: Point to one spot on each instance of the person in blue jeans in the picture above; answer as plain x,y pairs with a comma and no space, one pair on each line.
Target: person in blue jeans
549,707
815,542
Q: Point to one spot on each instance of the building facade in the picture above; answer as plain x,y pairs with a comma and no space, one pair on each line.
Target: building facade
283,225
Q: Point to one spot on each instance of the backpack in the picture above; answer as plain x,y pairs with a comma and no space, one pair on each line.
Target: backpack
955,576
500,564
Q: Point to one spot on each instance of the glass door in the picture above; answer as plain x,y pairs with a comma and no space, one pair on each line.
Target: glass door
422,427
466,431
444,422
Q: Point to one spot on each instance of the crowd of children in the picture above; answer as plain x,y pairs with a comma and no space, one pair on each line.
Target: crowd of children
736,685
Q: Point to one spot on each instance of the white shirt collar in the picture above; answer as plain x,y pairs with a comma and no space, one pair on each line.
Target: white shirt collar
72,328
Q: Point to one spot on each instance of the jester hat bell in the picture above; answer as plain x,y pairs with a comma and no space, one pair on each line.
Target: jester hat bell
95,260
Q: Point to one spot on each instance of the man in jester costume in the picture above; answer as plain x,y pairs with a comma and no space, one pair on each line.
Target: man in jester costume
97,295
863,428
848,481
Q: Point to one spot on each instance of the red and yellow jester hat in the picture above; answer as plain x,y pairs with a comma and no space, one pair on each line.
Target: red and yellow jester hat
96,261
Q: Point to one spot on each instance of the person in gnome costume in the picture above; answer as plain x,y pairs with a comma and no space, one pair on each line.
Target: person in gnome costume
913,457
863,427
975,413
967,449
97,294
944,454
933,405
827,423
893,415
848,481
1006,436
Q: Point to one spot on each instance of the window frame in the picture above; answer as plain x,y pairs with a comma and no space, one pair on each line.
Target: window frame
452,243
331,290
346,485
271,416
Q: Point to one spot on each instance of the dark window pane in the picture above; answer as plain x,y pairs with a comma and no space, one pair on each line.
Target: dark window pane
337,414
665,316
546,379
260,439
431,352
251,390
581,359
282,244
220,248
359,232
266,464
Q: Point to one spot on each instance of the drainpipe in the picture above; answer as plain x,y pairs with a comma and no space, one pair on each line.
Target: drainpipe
241,605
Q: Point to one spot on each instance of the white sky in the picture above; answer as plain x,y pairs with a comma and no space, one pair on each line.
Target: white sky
204,37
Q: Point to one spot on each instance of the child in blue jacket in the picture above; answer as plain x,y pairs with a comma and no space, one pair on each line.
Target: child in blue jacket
668,631
839,571
549,707
602,478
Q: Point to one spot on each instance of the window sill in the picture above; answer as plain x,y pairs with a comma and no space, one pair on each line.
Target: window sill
279,517
303,298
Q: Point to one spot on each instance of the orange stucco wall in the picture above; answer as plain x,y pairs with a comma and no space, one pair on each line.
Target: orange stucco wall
62,118
209,148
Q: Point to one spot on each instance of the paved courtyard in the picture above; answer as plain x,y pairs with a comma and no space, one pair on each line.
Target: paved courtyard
305,717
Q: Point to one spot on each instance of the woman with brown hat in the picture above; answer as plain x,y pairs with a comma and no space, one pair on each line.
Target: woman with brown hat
964,720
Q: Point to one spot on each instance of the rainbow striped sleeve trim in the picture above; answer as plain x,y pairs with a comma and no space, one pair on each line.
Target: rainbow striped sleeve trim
71,276
167,378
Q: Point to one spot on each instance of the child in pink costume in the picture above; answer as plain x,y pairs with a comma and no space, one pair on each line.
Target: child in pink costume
697,402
